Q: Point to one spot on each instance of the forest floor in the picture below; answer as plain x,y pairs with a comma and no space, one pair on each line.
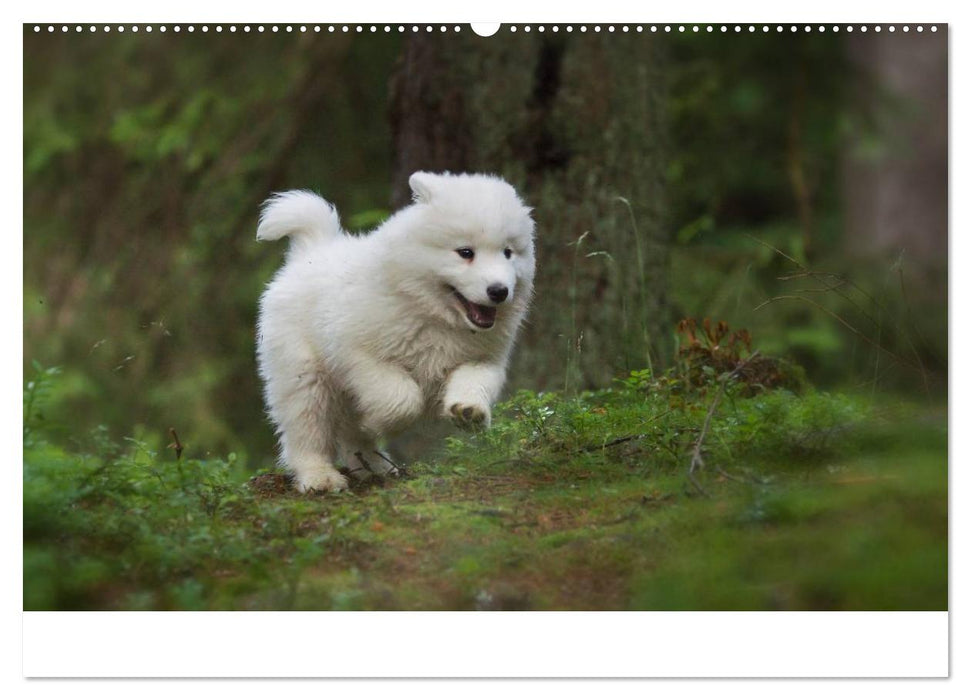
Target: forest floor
806,501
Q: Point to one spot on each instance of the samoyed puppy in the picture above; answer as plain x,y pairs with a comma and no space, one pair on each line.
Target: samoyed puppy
361,336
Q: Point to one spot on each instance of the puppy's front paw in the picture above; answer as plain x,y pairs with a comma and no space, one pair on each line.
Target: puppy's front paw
470,416
321,481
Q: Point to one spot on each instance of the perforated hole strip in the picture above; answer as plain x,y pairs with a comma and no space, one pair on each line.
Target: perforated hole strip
510,28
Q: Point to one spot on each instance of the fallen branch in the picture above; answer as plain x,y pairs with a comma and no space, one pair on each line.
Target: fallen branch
626,438
697,460
609,443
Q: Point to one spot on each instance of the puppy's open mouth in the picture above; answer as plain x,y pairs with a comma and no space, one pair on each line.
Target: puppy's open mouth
478,315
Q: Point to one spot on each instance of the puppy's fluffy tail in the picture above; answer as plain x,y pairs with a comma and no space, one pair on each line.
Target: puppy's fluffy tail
304,216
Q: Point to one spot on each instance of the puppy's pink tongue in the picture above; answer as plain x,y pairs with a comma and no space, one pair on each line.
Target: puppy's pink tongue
482,315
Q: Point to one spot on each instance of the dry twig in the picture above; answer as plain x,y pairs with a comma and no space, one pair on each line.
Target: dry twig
176,445
842,281
697,460
396,470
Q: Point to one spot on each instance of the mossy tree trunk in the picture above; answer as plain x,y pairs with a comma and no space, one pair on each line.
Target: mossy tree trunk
576,123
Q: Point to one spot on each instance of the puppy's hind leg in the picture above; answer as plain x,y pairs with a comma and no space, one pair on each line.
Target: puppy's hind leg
300,406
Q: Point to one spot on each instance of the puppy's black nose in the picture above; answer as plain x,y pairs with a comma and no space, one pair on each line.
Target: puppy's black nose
497,292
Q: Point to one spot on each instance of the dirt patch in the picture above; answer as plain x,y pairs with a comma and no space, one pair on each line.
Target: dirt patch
480,488
280,483
271,484
546,520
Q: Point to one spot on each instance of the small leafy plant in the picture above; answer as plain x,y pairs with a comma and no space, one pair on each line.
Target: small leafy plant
707,351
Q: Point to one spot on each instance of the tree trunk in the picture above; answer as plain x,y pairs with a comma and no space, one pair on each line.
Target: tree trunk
896,175
574,122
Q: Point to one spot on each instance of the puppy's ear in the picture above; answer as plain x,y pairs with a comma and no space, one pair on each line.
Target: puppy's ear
422,186
531,220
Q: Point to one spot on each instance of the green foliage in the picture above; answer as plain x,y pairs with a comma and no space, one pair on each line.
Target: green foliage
36,393
788,115
561,489
661,418
756,102
863,325
365,220
121,517
146,159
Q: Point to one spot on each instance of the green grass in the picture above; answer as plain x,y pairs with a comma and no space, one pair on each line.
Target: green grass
811,502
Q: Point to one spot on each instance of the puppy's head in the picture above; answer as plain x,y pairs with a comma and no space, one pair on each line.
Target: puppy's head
475,237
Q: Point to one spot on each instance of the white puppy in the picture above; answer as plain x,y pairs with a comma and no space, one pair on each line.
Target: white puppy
359,336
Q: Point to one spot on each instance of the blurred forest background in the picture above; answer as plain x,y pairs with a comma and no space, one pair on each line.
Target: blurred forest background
672,176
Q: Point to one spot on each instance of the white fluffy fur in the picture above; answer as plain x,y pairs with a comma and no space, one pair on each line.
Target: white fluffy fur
359,336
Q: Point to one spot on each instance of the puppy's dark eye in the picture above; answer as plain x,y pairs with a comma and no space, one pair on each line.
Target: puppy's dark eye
508,253
465,253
